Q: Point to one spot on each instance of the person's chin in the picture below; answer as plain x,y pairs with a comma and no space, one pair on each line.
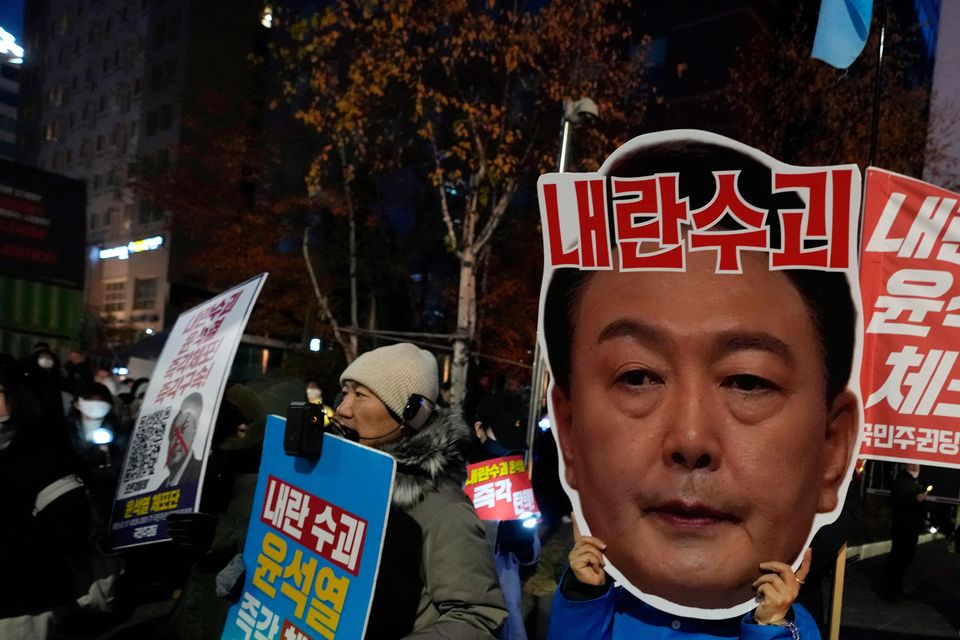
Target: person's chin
696,589
691,574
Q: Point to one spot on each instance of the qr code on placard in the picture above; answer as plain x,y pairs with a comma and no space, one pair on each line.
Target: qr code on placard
145,445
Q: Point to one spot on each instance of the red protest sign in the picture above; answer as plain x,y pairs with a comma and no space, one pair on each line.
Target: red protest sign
910,282
334,533
500,489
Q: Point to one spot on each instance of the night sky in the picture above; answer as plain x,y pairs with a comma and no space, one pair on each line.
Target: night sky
11,18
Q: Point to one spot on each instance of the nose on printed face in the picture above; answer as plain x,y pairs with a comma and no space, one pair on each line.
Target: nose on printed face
692,438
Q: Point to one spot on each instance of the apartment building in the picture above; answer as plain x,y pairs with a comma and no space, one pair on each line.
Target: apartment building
107,90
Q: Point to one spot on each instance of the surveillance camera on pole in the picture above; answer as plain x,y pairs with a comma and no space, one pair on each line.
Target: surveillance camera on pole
575,112
582,111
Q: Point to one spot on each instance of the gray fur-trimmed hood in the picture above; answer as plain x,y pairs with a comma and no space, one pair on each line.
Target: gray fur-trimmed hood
436,452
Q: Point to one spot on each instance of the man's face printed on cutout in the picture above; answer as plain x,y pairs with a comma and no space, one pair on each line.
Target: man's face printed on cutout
696,428
697,434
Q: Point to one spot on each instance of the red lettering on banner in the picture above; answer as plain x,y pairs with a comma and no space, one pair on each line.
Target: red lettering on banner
558,257
656,199
194,361
633,199
500,489
727,200
594,235
334,533
647,218
793,233
840,218
728,244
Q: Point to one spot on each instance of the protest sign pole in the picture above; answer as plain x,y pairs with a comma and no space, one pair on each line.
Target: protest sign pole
878,86
836,601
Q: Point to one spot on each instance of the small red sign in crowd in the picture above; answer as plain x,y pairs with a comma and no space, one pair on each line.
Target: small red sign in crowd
500,489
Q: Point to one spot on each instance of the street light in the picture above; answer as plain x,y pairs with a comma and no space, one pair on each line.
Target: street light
575,112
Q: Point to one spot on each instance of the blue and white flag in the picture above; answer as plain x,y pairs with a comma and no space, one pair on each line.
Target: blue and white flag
842,31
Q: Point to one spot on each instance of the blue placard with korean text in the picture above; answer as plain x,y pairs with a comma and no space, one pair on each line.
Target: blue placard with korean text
313,543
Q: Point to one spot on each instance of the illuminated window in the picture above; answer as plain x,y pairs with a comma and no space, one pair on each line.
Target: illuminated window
144,293
115,296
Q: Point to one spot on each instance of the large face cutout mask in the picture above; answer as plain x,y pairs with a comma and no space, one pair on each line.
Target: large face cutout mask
699,316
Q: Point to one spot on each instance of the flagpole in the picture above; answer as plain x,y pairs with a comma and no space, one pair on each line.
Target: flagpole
878,86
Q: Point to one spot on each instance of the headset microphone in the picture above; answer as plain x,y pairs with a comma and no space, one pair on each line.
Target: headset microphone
415,414
383,435
417,411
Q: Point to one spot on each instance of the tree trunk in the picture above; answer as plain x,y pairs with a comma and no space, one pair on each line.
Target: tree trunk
466,327
324,304
352,224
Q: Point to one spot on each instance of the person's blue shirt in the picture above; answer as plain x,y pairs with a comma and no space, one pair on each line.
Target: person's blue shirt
617,615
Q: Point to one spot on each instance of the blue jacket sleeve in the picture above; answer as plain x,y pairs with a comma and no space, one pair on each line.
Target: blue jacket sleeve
806,627
581,619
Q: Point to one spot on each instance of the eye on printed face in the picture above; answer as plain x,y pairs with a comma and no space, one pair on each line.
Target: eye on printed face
696,430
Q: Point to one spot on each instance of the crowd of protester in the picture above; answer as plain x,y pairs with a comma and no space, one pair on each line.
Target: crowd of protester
63,431
65,424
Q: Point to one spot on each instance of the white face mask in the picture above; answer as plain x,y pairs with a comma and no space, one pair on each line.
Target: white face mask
313,394
45,363
95,409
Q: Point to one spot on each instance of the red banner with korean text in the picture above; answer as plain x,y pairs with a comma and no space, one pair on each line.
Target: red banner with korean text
500,489
910,282
585,212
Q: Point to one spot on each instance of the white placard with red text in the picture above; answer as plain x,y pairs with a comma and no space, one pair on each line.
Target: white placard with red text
167,453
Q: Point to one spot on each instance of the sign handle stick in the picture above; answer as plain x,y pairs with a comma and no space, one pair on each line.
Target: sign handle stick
836,603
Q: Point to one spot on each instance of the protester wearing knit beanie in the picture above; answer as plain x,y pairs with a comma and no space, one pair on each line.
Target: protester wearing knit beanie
394,373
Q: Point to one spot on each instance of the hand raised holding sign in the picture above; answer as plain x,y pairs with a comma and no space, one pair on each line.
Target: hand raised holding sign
777,589
586,557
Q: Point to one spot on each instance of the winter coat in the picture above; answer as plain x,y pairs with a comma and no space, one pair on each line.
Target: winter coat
436,577
908,513
43,553
512,546
616,615
229,487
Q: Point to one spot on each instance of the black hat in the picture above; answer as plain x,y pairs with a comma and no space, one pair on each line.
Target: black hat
91,389
505,415
11,373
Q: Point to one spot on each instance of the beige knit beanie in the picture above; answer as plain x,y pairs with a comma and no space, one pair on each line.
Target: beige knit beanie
394,373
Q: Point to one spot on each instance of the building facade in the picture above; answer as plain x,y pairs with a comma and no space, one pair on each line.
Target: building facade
11,57
108,89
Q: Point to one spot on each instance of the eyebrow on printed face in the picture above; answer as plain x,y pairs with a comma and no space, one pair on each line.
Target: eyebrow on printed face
725,342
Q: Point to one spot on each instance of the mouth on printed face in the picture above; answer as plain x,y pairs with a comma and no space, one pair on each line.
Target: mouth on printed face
692,517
